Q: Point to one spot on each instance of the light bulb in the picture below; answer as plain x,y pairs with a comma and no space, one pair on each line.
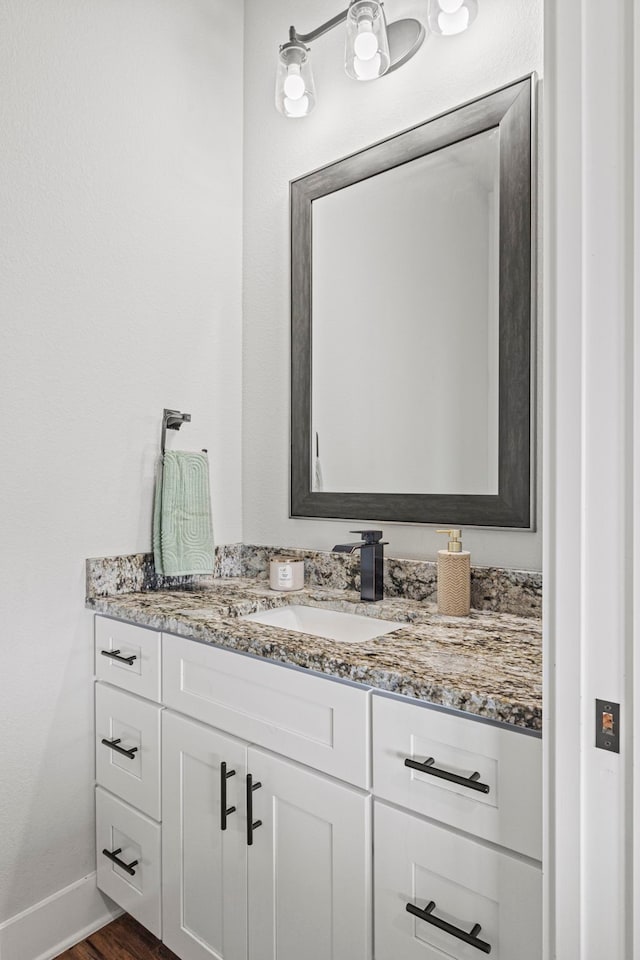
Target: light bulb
451,23
448,17
366,44
367,69
294,84
366,49
295,89
296,108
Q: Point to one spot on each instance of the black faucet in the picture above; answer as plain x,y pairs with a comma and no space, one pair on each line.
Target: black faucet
371,549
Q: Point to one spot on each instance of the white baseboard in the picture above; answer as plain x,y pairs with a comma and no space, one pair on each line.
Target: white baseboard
52,926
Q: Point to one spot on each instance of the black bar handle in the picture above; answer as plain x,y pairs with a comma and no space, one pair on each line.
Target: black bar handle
113,744
116,655
471,938
472,782
251,823
113,855
224,810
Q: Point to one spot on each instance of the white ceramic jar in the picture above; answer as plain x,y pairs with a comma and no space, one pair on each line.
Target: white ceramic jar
286,573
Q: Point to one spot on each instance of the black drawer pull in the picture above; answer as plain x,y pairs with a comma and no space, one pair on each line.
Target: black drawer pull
113,744
472,782
251,823
471,938
224,810
115,655
113,855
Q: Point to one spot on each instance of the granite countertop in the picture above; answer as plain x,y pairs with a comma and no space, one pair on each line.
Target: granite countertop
488,664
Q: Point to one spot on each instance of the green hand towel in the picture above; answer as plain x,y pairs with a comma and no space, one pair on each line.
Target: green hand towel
182,527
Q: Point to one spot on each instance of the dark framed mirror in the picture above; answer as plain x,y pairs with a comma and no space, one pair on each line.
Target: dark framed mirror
411,293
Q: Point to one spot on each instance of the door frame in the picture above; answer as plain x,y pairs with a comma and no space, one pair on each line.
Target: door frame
591,474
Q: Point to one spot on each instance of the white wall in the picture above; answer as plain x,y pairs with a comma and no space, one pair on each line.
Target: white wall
120,264
504,44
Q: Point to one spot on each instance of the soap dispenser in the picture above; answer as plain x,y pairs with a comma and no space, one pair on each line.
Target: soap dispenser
454,577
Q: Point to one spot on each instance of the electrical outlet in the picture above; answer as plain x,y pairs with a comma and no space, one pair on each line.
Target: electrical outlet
608,725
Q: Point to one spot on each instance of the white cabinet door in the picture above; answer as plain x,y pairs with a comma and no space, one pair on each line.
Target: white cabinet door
309,865
204,867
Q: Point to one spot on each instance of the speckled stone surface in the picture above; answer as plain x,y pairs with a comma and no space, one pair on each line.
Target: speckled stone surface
492,588
108,576
487,664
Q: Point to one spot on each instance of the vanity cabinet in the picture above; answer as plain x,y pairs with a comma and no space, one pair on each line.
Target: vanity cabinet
239,804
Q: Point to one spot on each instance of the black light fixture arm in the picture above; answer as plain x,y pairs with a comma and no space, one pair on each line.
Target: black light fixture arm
295,37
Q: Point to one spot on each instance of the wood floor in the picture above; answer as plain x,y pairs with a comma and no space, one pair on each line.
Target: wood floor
124,939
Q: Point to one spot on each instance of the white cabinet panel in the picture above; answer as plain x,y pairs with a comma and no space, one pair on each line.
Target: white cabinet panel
309,866
419,863
128,835
318,722
128,656
509,764
132,725
204,866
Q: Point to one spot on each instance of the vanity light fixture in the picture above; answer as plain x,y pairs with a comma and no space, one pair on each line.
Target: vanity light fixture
448,17
372,48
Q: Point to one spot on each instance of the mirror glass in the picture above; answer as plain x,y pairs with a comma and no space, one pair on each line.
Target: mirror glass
405,321
411,266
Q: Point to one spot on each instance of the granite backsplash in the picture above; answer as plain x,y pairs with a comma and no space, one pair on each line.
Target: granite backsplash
492,588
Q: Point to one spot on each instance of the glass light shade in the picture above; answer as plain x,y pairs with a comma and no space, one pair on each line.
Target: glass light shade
448,17
366,52
295,90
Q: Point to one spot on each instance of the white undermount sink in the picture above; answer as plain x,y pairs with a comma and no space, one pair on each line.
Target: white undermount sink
328,624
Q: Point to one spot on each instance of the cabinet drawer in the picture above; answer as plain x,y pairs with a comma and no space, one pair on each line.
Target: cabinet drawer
509,764
135,725
319,722
138,650
420,863
129,835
